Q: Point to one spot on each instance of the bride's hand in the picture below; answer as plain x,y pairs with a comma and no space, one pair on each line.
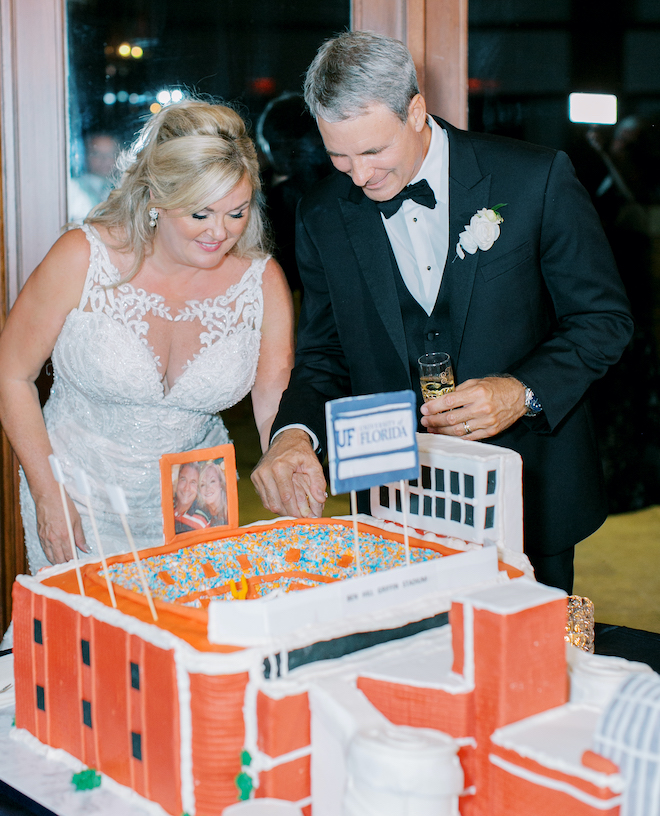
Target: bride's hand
52,529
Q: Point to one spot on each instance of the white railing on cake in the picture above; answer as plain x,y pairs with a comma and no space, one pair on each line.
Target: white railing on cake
466,490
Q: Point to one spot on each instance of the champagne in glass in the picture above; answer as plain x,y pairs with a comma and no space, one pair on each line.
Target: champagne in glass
436,375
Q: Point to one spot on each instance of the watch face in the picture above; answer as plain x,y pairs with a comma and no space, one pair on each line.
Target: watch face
531,402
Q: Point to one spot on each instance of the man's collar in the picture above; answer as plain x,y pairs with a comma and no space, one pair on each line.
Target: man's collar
434,161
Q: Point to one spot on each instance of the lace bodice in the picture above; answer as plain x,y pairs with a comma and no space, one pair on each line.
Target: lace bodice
111,410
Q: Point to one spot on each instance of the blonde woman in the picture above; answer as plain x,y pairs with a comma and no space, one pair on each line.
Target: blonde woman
212,495
162,310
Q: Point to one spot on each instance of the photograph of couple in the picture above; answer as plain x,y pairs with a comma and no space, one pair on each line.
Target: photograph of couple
200,495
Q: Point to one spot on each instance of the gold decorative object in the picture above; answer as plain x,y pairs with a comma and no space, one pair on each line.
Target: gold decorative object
580,623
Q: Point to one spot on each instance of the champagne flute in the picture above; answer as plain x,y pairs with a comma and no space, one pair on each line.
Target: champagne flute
436,375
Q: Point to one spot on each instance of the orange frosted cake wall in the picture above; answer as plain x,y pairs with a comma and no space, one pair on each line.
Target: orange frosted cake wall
499,641
283,729
284,724
218,735
98,717
290,781
421,707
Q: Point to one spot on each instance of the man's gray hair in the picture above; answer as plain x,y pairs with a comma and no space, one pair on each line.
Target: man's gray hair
357,69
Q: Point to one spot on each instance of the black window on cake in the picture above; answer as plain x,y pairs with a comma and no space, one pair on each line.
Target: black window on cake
414,504
491,482
136,745
87,713
426,477
468,486
455,511
135,676
490,518
413,483
84,650
384,496
454,482
469,515
38,636
428,506
41,698
439,507
439,480
397,497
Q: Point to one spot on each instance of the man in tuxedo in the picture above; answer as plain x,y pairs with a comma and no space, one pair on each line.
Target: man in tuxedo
530,316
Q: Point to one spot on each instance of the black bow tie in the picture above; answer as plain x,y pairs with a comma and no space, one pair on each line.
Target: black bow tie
420,192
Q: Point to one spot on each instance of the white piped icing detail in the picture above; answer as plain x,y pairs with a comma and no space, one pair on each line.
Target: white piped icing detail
256,678
185,736
468,644
556,784
267,763
542,738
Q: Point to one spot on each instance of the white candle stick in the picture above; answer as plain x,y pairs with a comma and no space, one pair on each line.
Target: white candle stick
58,474
120,506
356,538
404,510
82,483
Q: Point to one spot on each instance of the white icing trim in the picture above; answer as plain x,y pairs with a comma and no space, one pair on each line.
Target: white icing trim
267,763
555,784
67,759
456,684
301,803
468,644
185,736
512,738
519,595
250,722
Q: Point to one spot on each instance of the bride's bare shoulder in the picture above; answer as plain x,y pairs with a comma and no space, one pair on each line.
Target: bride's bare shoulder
114,241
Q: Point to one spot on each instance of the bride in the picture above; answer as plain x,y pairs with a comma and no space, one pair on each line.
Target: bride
161,311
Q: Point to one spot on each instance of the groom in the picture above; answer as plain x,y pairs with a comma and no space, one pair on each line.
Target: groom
526,300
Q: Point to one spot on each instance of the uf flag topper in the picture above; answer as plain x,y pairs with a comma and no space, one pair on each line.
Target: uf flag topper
371,440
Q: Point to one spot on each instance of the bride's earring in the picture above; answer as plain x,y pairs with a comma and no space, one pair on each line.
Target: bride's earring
153,215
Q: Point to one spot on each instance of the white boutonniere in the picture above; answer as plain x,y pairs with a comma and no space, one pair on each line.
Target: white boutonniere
481,233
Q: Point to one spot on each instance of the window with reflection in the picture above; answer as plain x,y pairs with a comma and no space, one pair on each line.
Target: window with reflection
128,57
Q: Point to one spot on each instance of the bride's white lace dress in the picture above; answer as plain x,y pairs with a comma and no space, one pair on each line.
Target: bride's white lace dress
109,411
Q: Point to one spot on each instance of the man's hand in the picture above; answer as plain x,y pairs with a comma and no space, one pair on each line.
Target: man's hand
289,478
477,409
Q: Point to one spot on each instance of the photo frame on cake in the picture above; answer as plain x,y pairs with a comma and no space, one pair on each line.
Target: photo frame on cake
199,494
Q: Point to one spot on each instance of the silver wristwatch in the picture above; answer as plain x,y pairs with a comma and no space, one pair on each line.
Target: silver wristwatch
532,403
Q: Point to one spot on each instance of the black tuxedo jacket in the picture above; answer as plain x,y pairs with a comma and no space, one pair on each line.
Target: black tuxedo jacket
544,304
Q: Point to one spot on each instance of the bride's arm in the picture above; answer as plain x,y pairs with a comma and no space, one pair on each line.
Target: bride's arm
276,352
26,342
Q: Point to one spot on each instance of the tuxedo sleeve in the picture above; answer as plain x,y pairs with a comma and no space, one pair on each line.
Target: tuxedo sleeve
592,323
320,372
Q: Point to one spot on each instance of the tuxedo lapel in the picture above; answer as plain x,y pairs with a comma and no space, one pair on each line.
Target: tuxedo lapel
371,246
469,191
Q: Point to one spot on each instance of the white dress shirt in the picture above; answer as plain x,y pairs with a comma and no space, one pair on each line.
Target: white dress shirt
420,236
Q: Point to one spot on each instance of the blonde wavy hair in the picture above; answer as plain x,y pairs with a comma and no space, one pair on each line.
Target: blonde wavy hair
187,156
